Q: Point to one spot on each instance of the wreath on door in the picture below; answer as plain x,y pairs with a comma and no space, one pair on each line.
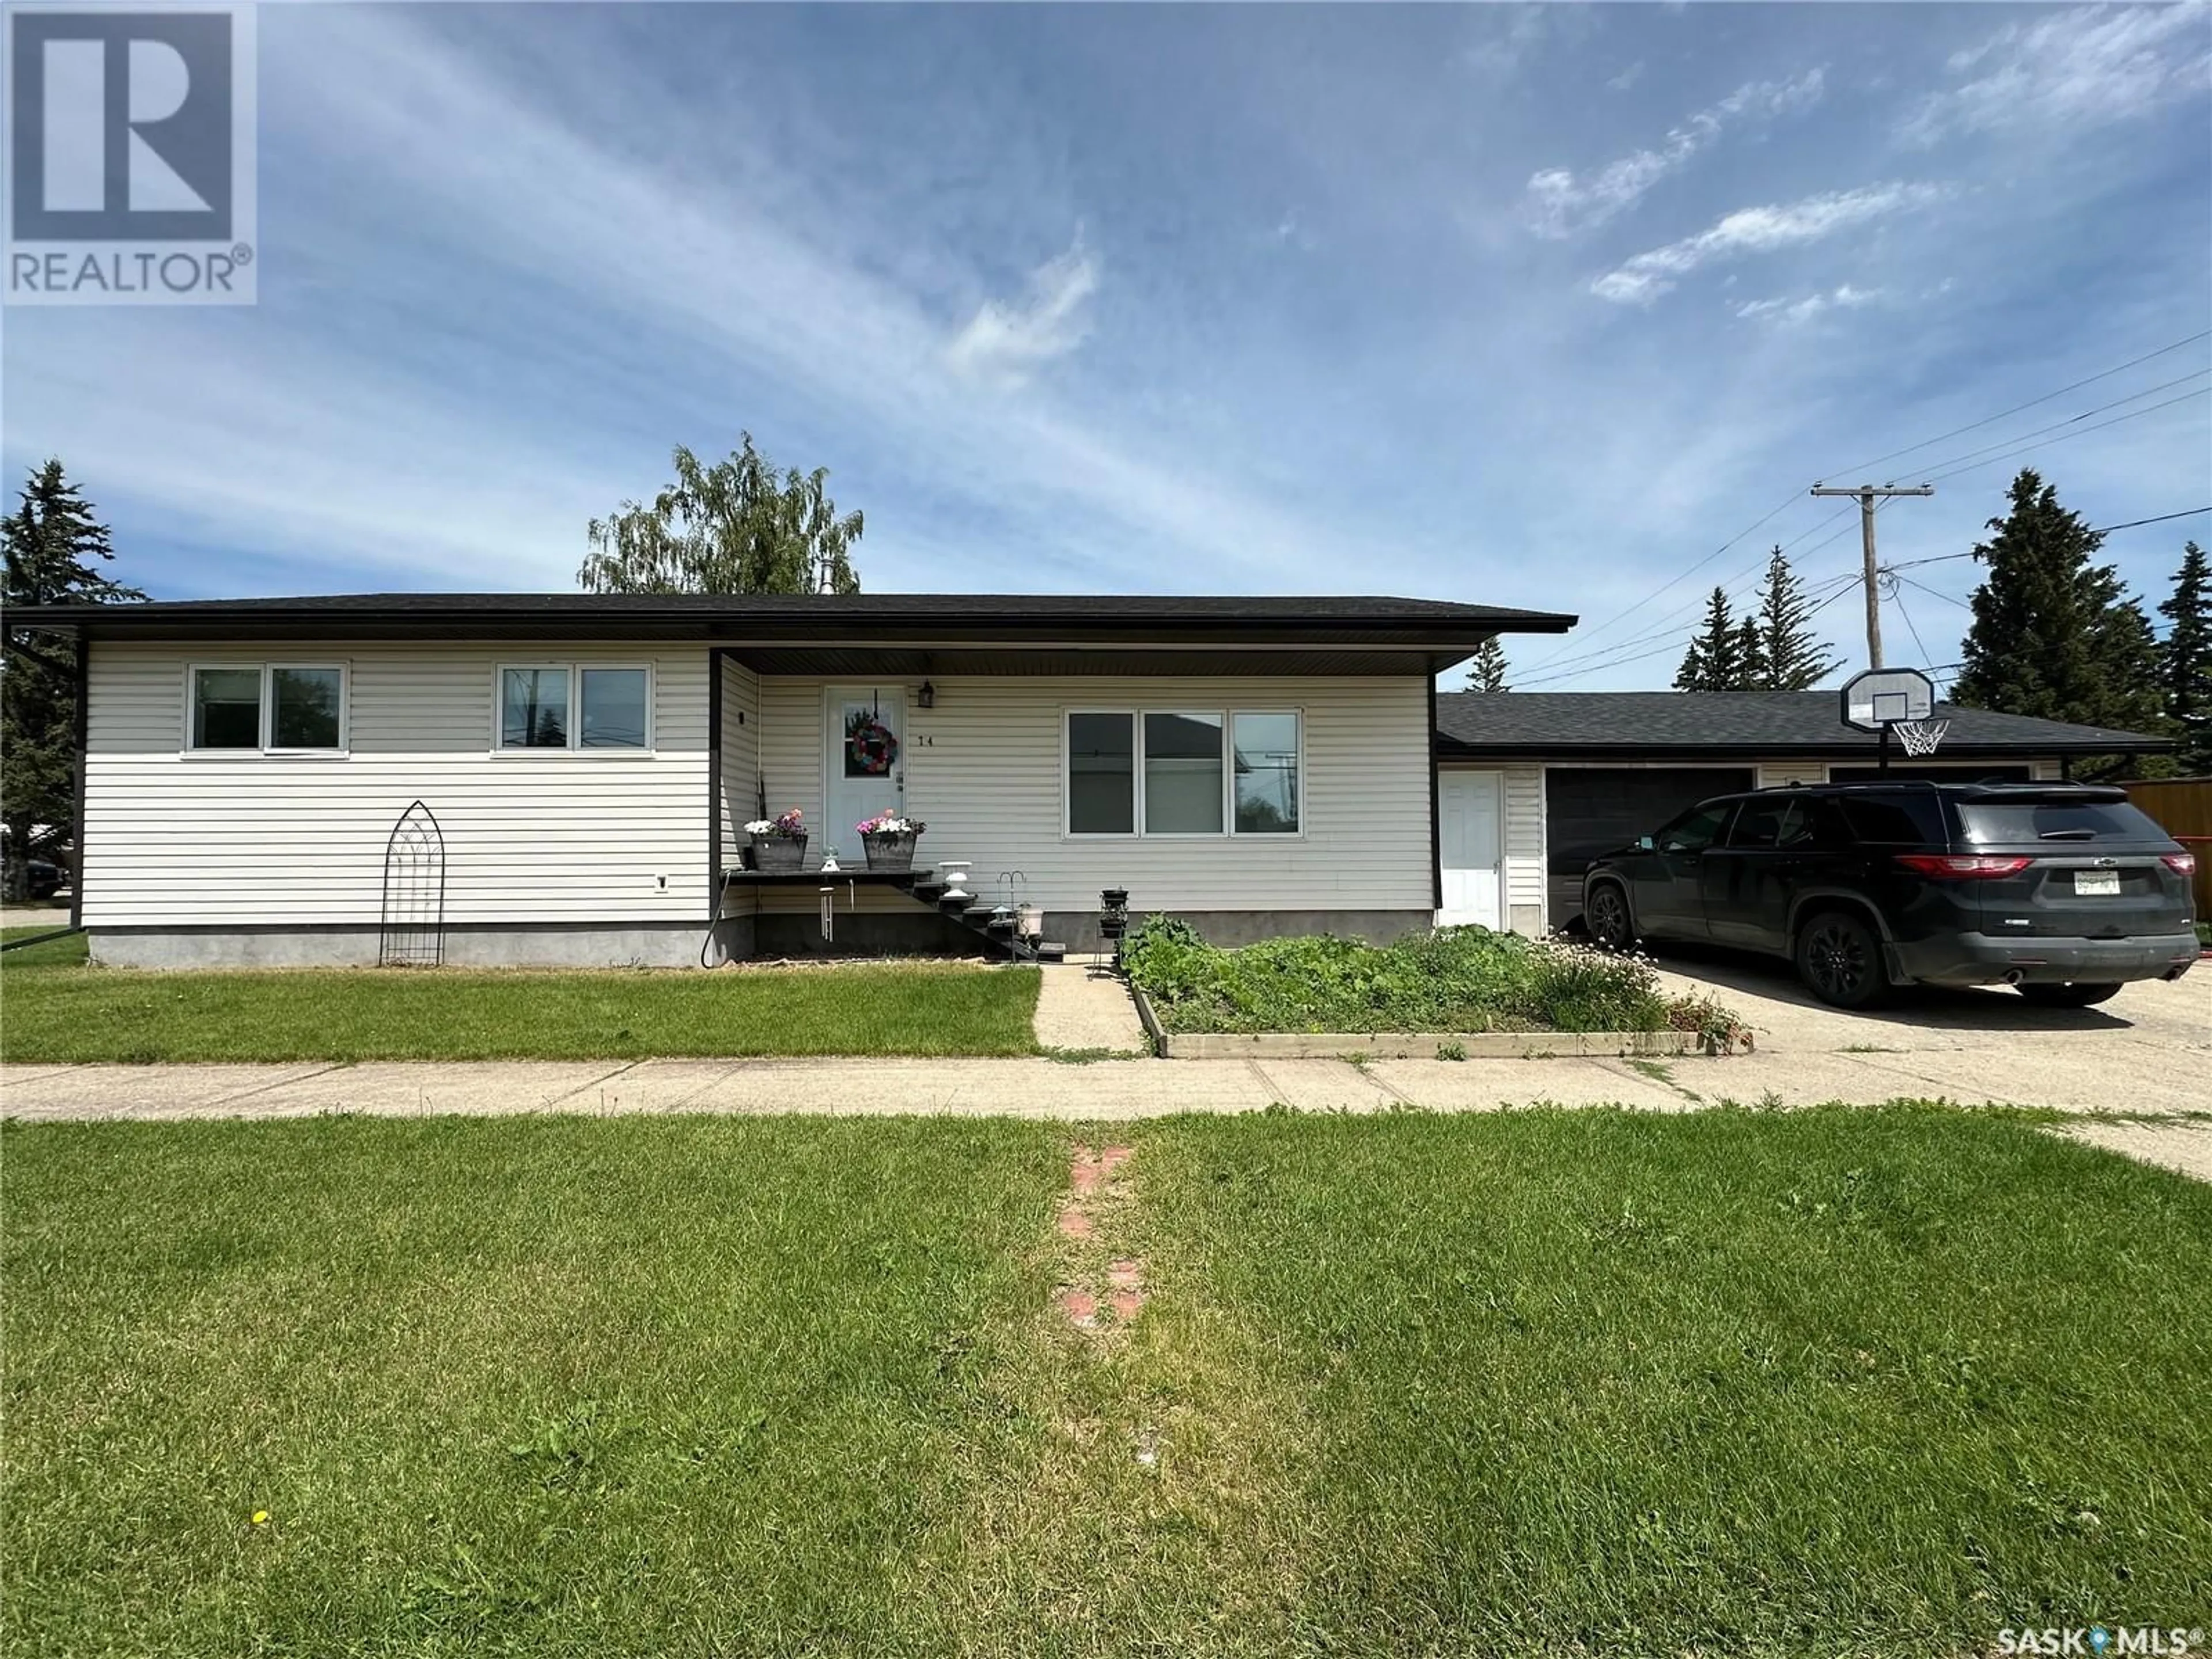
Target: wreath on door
871,747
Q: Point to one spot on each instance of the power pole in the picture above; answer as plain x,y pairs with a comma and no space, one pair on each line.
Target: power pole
1866,495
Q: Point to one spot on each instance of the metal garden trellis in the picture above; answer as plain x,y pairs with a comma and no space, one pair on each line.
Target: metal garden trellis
413,933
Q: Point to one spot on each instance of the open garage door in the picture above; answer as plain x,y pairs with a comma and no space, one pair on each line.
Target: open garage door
1589,809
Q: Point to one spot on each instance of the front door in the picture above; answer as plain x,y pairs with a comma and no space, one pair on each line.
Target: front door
864,765
1470,839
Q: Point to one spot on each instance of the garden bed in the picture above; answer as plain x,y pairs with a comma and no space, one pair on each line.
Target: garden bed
1456,993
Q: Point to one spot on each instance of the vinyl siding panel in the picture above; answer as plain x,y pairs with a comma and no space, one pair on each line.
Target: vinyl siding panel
983,770
1779,774
174,839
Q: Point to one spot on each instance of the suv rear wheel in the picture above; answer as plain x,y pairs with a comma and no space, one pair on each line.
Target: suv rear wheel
1606,915
2074,994
1840,959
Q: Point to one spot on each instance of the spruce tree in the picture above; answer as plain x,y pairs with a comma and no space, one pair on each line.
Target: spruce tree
2184,668
1485,669
2055,635
1714,661
1750,656
55,549
1790,658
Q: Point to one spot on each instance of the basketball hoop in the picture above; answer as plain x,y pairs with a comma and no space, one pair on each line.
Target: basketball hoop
1919,738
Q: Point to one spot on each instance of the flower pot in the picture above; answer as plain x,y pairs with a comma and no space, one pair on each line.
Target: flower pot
890,852
779,852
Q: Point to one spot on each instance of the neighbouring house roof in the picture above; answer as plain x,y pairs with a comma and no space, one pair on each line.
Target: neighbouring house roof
877,633
1681,724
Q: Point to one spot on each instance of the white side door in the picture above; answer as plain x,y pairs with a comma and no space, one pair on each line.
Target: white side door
1471,839
863,764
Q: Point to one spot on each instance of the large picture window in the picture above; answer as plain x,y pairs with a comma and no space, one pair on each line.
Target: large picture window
1264,755
568,706
1182,775
1101,775
1182,772
270,708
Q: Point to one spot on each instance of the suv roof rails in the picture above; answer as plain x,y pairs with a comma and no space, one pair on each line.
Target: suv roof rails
1964,786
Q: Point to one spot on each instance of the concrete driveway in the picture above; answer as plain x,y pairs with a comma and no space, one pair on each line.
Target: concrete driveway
2149,1049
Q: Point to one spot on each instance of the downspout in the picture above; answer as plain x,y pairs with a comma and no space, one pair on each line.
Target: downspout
714,798
1436,830
82,724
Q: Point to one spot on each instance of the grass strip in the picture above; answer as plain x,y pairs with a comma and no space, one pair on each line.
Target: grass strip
54,1009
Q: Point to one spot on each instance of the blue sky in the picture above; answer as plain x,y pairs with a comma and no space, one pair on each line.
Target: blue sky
1532,305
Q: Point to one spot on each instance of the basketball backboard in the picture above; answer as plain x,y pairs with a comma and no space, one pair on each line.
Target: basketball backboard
1886,696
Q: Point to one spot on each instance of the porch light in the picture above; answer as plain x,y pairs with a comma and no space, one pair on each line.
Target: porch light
927,697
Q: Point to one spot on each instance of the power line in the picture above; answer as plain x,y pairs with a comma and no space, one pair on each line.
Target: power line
1910,628
1937,592
1670,624
1620,655
2081,432
1672,634
2102,530
1562,656
2162,517
2060,426
1975,426
1692,570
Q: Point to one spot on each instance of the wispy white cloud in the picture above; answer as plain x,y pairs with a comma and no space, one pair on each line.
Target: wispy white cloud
1642,279
1627,78
722,297
1789,312
1006,341
1561,202
2087,67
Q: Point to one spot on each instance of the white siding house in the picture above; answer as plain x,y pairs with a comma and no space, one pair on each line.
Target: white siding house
1261,766
239,854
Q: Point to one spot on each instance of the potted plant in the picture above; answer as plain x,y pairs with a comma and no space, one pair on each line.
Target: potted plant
778,843
889,840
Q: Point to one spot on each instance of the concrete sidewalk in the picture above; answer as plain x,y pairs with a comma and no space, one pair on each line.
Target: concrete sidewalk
1051,1089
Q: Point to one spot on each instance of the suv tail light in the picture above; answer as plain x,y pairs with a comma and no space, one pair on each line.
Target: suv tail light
2182,863
1965,866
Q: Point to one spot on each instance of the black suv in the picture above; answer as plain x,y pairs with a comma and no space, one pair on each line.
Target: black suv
2064,890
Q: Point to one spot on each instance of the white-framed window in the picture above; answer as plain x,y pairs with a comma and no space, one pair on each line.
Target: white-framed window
266,708
1182,773
572,707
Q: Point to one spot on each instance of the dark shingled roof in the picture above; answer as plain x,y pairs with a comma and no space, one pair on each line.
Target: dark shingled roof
1022,611
872,633
1682,725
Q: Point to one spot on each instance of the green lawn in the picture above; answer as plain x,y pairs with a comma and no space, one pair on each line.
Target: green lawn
1845,1381
53,1007
571,1386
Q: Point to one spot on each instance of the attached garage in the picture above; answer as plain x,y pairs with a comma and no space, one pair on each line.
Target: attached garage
1533,785
1589,809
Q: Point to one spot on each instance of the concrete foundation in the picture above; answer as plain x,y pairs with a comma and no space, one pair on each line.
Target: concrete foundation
636,944
918,931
